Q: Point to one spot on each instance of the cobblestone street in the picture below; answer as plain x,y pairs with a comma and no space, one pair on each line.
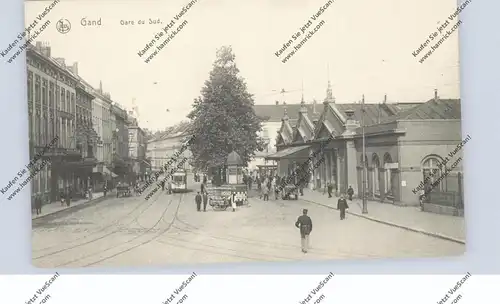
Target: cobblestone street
167,229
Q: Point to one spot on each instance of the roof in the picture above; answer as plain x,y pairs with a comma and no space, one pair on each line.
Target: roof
287,153
274,113
179,129
234,159
374,113
432,109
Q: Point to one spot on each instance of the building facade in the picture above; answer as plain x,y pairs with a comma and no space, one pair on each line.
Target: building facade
121,164
162,148
271,116
52,120
137,150
72,126
404,142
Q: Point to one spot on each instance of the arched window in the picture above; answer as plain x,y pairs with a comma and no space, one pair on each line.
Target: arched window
387,174
375,174
431,171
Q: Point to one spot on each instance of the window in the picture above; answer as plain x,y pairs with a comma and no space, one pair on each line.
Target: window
58,96
431,171
68,102
72,108
44,92
37,88
63,100
30,86
51,95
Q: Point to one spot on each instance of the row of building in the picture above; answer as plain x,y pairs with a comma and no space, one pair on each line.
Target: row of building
98,140
404,144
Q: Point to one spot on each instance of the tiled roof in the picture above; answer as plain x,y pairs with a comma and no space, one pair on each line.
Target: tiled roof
432,109
274,113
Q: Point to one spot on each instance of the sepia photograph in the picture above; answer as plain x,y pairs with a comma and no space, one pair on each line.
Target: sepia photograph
167,133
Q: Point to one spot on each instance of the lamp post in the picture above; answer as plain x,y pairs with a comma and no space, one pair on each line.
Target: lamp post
365,207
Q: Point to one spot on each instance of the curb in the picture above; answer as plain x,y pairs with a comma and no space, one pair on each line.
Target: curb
73,208
432,234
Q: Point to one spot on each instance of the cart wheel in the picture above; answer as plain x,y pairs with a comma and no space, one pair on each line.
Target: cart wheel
223,208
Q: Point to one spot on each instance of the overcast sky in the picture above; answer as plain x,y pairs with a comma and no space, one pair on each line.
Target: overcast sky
367,45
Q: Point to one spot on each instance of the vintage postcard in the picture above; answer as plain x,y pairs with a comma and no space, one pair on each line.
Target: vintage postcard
211,131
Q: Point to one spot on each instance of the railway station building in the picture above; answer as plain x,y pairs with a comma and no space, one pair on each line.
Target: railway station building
405,144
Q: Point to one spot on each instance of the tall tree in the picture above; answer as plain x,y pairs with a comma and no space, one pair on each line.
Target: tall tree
223,118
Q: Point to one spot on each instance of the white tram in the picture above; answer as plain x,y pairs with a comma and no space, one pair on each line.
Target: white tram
179,181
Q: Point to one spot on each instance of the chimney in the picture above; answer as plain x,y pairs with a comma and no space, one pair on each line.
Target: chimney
39,45
385,98
74,68
351,124
61,61
100,86
314,106
436,97
277,102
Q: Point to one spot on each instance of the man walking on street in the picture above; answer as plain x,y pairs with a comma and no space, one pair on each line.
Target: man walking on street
350,192
197,200
304,223
205,201
330,189
342,206
38,203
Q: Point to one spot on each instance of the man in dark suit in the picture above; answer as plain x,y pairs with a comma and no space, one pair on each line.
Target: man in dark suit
197,200
304,223
342,206
205,201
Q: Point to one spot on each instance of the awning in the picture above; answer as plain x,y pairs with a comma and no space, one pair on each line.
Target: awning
293,152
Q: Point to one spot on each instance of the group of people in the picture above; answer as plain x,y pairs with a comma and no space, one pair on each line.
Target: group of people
203,196
271,184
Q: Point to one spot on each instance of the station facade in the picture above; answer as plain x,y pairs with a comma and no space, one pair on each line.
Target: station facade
405,143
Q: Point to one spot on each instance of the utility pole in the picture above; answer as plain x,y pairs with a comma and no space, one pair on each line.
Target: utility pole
365,207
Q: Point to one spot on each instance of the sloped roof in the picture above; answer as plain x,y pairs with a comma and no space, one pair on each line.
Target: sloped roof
274,113
376,112
179,129
432,109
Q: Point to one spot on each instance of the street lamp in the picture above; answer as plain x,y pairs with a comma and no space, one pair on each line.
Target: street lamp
363,157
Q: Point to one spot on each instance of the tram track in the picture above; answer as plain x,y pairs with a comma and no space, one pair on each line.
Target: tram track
64,249
91,233
148,204
163,231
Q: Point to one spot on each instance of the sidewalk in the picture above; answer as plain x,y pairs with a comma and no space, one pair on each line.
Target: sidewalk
56,207
411,218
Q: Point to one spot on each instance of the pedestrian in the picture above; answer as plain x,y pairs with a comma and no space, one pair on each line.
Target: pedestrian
169,187
342,206
198,200
259,184
105,190
304,223
69,196
163,185
265,192
350,192
90,193
330,189
205,201
38,203
62,197
202,188
204,178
